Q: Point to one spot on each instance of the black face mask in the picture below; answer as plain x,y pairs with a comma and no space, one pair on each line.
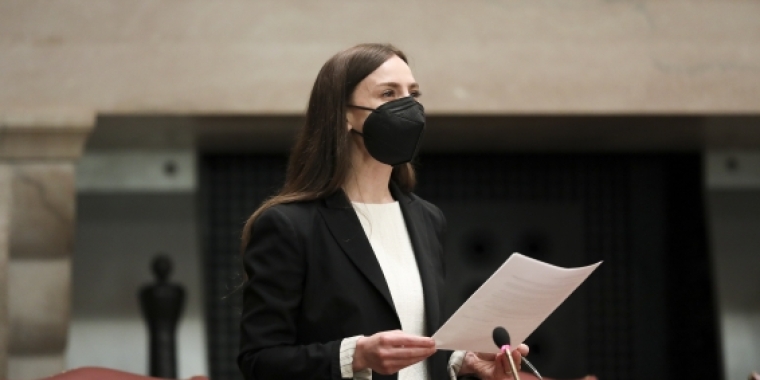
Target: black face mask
393,131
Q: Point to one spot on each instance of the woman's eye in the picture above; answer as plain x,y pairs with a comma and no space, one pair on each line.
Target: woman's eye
388,93
416,94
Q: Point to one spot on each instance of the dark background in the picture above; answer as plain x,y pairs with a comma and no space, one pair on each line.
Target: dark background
646,313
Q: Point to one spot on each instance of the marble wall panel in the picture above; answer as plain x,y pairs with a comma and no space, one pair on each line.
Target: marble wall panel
38,306
43,210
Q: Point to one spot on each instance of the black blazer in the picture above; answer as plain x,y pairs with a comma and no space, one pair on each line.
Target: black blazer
313,280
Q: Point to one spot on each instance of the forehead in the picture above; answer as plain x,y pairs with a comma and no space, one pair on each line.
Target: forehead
393,70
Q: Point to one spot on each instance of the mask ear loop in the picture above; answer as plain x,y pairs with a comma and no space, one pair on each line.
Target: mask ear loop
361,108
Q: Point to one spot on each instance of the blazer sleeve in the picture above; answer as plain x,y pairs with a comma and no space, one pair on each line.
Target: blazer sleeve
275,263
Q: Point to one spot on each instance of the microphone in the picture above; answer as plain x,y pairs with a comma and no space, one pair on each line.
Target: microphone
501,339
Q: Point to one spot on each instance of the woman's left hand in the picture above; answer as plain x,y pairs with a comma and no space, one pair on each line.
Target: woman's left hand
492,366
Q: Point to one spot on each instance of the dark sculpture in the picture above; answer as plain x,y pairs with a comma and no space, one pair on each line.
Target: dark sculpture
161,304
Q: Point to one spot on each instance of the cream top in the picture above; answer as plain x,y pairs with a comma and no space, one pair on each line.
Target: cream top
386,230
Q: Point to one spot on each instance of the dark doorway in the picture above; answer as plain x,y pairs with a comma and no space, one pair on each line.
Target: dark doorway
646,313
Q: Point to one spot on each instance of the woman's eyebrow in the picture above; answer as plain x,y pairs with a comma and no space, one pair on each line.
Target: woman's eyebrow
396,85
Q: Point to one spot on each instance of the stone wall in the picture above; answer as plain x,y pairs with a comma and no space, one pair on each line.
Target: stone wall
479,56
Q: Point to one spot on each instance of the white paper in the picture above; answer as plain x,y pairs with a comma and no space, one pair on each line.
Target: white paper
518,296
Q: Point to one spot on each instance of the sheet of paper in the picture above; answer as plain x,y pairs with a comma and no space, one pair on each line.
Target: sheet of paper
518,296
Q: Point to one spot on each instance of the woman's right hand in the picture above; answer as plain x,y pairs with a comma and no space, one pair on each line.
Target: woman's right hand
388,352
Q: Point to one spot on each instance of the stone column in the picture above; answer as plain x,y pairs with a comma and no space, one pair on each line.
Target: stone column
38,153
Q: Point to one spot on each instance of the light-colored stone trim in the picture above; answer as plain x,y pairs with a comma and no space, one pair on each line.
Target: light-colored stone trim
38,150
48,133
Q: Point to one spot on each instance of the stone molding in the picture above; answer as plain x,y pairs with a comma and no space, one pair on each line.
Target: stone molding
44,134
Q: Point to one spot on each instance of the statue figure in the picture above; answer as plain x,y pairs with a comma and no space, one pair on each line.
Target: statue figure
161,304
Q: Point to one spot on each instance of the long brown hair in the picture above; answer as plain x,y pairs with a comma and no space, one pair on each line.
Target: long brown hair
321,157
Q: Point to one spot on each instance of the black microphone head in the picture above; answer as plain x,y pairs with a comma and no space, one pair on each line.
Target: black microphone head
500,337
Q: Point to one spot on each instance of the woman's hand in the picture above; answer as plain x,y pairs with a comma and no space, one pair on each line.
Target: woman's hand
388,352
490,366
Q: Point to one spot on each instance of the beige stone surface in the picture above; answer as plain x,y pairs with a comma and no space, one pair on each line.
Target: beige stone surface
43,210
5,206
34,367
479,56
38,149
43,132
38,306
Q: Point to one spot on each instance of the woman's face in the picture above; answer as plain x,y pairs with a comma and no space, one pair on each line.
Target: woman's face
392,80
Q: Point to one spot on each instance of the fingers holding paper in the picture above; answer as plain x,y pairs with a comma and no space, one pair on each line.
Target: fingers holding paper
389,351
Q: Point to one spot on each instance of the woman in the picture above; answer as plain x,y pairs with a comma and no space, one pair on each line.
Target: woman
344,265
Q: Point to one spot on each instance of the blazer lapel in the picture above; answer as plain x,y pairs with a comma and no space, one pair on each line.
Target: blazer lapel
418,234
347,230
